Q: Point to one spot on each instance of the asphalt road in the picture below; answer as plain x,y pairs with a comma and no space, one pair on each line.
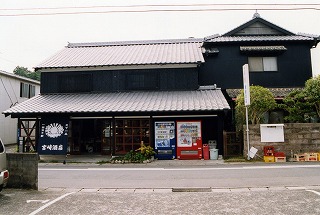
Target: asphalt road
214,189
219,176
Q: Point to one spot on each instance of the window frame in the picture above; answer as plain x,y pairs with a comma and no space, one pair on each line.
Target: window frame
27,90
266,62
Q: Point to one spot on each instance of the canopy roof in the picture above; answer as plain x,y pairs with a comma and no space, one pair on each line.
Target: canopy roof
122,102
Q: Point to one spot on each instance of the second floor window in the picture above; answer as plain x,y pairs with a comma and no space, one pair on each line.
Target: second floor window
27,90
262,64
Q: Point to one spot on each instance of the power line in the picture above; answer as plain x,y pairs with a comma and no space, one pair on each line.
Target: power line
156,5
159,10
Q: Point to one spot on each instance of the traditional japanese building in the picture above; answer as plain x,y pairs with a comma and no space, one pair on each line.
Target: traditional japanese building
171,94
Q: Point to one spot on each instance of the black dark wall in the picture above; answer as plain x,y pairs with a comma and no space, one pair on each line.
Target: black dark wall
225,68
119,80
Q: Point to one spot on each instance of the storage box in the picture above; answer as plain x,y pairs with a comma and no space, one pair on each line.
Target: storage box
280,159
300,157
268,159
311,156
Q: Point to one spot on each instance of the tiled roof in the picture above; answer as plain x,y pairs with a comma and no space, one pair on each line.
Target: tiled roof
277,92
19,77
259,38
119,102
186,51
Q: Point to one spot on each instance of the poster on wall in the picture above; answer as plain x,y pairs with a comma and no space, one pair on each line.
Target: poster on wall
188,133
164,134
53,139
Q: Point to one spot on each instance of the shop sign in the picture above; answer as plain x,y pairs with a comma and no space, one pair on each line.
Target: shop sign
53,138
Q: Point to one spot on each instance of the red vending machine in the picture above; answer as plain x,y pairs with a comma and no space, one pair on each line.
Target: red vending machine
189,141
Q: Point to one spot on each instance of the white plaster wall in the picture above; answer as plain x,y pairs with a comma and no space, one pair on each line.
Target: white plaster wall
10,95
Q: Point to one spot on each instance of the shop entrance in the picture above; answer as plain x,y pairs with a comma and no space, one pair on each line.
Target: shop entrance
91,136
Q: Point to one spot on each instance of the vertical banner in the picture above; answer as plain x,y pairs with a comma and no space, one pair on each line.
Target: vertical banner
53,138
246,84
164,133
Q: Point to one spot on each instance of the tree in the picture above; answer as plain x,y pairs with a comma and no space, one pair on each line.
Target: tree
297,106
262,101
312,91
23,71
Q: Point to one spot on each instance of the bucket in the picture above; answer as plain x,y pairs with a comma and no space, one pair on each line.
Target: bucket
214,154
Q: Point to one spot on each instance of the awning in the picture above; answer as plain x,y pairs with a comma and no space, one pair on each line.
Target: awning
262,48
121,102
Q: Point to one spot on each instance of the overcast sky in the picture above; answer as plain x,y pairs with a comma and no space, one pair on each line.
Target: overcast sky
26,40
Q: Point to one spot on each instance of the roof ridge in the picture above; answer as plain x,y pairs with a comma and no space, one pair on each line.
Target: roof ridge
308,35
135,42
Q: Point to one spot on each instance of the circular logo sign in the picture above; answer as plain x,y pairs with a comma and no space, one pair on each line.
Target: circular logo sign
54,130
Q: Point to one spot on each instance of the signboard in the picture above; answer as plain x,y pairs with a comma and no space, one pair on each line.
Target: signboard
246,84
272,133
164,133
53,138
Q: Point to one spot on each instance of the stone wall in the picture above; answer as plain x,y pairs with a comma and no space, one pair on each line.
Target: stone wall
298,138
23,170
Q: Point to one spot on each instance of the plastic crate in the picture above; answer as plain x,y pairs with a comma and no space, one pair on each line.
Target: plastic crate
268,150
268,159
300,157
280,159
311,156
279,154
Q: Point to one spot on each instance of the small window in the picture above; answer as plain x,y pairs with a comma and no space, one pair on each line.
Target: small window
27,90
32,91
261,64
24,90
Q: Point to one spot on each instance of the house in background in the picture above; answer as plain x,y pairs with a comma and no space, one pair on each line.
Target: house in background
278,59
14,90
108,97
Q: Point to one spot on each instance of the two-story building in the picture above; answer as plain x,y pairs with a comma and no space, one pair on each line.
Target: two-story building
108,97
14,90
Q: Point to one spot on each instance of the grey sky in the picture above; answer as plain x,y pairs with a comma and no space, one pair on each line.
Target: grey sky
26,40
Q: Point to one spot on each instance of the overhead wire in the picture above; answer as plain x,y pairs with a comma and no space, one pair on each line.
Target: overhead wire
5,88
160,5
218,7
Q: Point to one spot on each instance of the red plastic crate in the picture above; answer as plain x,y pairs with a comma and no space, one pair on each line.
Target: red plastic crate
279,154
268,150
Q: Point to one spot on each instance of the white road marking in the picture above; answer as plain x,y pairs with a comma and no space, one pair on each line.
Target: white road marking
313,191
42,201
281,167
184,169
50,203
